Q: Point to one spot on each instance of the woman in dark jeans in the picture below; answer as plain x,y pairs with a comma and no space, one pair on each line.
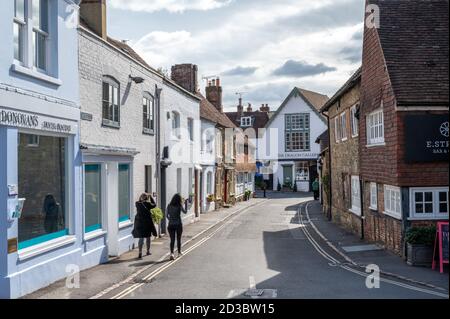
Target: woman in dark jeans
175,227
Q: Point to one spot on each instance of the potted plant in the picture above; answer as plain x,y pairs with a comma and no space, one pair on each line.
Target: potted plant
210,198
247,194
419,245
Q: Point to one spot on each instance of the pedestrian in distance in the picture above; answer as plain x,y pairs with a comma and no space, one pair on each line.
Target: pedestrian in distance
315,187
144,227
175,228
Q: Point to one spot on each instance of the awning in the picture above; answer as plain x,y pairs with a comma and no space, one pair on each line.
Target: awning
198,167
107,150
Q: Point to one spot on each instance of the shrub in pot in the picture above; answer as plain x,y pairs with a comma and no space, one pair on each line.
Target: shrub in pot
419,245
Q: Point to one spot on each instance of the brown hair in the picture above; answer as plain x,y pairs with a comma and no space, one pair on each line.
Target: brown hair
143,197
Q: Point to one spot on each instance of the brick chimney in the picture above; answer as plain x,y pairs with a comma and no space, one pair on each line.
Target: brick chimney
249,108
214,94
240,107
186,76
265,108
93,13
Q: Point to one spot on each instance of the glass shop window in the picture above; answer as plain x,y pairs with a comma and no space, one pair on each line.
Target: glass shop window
124,192
42,176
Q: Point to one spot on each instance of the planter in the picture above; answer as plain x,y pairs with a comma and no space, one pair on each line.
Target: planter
419,255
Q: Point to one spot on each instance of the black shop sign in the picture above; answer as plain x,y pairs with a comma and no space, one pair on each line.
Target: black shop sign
426,138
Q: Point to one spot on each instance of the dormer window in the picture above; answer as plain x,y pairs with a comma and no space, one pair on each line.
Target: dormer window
246,121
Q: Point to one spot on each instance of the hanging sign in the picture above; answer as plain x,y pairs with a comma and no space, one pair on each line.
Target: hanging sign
441,246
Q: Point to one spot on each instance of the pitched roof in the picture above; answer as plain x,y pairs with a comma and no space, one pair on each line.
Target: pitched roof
260,119
414,38
351,82
316,99
210,113
313,99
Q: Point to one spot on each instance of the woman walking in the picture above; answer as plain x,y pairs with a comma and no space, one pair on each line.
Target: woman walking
175,227
144,227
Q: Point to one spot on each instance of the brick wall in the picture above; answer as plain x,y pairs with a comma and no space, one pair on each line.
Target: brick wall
344,163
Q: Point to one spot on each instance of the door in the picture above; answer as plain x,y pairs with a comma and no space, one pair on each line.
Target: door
287,175
111,194
196,199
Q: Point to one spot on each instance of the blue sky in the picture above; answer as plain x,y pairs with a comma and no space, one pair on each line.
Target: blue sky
261,47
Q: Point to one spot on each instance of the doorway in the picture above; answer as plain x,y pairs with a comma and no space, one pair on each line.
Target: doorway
287,175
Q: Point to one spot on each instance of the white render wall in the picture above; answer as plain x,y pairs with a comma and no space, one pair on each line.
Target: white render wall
208,163
295,104
184,154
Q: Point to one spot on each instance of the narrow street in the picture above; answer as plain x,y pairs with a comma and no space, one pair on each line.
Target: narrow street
270,248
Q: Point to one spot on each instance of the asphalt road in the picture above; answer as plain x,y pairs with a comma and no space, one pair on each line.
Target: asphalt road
264,248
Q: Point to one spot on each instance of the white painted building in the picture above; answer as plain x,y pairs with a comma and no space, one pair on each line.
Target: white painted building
294,129
208,163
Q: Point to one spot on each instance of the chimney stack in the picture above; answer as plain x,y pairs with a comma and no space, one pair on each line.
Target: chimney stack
249,108
186,76
265,108
93,12
240,107
214,94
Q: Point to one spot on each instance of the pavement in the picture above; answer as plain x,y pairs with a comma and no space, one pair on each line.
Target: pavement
280,247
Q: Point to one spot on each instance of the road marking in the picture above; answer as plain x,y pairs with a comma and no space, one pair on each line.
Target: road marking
338,263
159,270
252,281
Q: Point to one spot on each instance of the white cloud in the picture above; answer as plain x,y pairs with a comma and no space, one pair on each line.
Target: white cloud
168,5
257,36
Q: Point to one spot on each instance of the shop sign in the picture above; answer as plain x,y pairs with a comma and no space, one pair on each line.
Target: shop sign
34,121
12,245
302,155
426,138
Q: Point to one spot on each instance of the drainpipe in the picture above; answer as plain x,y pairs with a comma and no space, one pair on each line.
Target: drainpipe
329,215
158,150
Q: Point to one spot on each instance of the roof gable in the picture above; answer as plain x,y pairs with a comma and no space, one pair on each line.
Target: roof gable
316,98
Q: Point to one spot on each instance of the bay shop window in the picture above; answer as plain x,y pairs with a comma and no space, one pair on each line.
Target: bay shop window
43,186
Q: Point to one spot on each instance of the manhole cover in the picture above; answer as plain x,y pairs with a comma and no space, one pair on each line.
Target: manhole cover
254,292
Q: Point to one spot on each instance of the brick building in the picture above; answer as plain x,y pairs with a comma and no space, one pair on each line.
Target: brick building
403,136
323,170
342,113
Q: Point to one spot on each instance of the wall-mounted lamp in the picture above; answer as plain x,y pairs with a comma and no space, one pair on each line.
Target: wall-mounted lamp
137,79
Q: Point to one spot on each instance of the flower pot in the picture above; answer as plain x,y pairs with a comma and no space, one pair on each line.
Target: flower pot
419,255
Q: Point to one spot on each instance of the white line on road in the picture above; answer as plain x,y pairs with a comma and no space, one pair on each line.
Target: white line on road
338,263
159,270
252,282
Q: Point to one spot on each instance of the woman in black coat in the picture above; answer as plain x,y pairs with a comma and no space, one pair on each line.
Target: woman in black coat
144,227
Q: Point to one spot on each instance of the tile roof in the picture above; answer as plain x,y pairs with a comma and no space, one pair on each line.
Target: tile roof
260,118
414,38
316,99
210,113
355,78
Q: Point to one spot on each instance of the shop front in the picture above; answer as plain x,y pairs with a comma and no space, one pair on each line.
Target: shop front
39,175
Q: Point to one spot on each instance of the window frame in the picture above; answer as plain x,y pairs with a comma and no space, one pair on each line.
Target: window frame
112,84
126,219
435,215
90,229
337,129
304,132
176,125
355,181
373,203
148,116
343,122
375,128
354,121
389,189
190,128
246,121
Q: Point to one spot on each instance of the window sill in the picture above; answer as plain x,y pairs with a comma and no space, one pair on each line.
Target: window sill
428,218
125,224
375,145
35,74
45,247
147,131
94,234
355,212
110,124
373,208
393,215
353,136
